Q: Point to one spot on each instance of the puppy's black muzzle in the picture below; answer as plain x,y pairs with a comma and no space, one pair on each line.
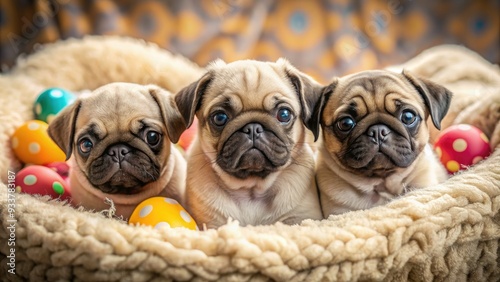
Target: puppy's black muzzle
122,169
253,150
379,149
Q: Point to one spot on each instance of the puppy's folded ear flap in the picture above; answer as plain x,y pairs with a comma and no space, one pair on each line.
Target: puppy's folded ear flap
309,92
189,99
170,114
327,91
62,128
436,97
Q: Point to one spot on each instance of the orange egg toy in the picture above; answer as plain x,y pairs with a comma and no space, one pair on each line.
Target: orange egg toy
162,212
460,146
32,144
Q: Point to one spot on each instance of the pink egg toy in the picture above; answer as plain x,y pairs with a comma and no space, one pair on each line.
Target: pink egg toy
41,180
187,136
461,146
62,168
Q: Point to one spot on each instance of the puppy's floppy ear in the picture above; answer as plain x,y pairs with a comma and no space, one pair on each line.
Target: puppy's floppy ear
189,99
308,91
170,114
326,93
62,128
436,97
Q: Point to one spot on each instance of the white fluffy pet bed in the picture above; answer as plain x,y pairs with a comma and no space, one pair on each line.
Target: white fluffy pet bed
447,232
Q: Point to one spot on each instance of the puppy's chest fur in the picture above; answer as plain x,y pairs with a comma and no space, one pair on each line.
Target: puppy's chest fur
342,192
251,206
288,196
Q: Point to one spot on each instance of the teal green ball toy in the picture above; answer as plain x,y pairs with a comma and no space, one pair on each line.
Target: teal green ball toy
50,102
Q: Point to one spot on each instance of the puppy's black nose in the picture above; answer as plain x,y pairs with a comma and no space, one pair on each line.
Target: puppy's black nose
118,152
378,133
253,130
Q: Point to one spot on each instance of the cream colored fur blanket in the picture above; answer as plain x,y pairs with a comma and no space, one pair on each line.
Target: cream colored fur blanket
448,232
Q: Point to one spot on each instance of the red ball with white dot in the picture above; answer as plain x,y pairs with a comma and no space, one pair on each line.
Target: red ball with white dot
161,212
460,146
41,180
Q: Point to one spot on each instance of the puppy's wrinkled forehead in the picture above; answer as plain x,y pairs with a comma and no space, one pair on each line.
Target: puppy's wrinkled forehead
371,91
249,84
109,108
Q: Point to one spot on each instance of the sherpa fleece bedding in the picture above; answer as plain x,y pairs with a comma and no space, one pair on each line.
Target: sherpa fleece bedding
447,232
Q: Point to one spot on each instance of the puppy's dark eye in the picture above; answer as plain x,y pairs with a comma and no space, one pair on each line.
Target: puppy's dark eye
284,115
408,117
152,138
220,119
346,124
85,145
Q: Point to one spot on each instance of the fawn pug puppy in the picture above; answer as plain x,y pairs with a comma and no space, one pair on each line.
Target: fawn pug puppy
251,160
375,138
119,142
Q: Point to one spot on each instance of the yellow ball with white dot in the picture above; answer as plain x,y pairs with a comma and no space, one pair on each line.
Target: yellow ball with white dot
162,212
32,144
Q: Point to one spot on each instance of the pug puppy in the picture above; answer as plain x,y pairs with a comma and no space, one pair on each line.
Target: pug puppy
375,138
118,141
250,161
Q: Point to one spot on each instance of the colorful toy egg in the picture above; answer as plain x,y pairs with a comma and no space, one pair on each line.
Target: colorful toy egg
41,180
188,135
460,146
32,144
50,102
61,168
162,212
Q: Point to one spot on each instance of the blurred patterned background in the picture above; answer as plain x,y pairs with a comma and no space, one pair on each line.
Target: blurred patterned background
322,38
